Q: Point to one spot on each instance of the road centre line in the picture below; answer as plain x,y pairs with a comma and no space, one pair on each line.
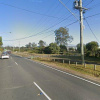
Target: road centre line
16,63
42,91
69,74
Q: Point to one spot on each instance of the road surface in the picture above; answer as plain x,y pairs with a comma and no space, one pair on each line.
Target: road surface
24,79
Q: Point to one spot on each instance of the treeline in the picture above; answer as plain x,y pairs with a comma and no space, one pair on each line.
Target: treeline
62,38
52,48
1,43
90,49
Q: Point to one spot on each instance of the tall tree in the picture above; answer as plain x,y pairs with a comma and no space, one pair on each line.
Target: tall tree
62,36
29,45
1,43
34,45
92,47
63,49
79,48
41,43
54,48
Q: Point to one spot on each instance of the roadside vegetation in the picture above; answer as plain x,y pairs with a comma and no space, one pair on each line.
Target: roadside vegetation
1,43
59,51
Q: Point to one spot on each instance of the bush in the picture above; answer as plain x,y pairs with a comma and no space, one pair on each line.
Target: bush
88,53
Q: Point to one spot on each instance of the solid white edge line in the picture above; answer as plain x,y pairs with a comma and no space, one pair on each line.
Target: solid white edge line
69,74
16,63
42,91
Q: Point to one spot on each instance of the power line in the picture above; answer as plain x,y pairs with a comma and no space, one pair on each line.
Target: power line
53,12
28,10
59,11
89,2
41,31
91,30
94,6
41,21
53,30
37,33
68,10
93,15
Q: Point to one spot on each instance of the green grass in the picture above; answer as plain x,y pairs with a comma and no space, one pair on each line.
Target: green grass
79,68
78,58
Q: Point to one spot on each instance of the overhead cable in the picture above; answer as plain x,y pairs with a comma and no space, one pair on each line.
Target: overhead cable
91,30
37,33
28,10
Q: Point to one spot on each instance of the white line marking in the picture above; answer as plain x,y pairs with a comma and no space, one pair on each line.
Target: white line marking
42,91
16,63
68,74
71,75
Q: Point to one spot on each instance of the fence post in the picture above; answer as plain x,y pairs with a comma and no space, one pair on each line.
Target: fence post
76,63
69,62
85,65
63,61
54,60
94,67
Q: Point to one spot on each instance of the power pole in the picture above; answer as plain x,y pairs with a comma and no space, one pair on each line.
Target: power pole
81,31
19,46
78,5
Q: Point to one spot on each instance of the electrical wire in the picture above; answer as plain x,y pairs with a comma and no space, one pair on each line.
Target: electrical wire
92,15
28,10
37,33
59,11
44,21
68,10
91,30
94,6
21,8
53,30
89,2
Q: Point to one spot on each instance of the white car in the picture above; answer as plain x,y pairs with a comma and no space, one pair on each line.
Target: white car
5,55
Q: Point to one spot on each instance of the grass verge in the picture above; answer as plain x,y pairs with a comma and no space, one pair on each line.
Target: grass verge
89,70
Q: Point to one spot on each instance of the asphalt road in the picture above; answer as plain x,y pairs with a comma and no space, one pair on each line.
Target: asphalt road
23,79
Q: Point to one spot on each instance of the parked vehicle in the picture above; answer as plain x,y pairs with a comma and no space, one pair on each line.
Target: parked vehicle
5,55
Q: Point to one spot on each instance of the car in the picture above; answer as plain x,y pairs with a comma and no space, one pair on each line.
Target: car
5,55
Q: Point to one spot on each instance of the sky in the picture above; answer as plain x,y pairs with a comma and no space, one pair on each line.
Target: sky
24,21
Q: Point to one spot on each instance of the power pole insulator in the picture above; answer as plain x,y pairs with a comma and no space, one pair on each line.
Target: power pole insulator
76,4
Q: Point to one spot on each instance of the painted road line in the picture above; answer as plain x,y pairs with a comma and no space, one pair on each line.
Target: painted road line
42,91
74,76
16,63
70,74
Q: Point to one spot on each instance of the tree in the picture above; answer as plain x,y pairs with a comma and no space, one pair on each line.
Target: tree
63,49
41,43
29,45
62,36
98,53
54,48
79,49
47,50
34,45
92,47
1,43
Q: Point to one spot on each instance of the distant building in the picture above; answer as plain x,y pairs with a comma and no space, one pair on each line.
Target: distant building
71,48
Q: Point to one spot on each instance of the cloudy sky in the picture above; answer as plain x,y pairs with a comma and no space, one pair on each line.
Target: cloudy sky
27,21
